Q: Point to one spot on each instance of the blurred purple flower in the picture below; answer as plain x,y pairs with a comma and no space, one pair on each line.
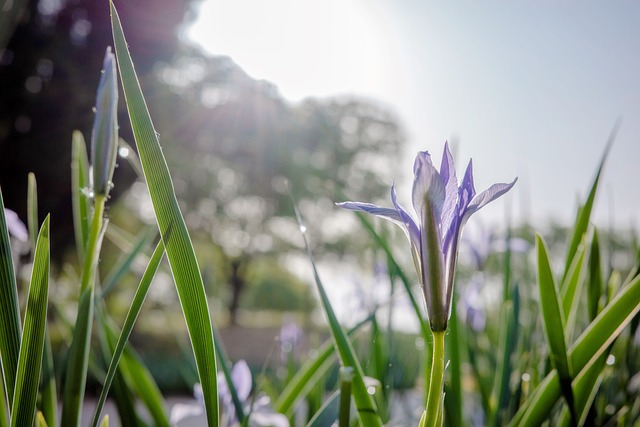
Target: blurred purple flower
290,338
261,414
487,242
443,208
16,227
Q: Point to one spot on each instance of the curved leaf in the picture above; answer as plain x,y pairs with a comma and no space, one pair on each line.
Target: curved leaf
23,412
173,229
9,314
554,321
591,344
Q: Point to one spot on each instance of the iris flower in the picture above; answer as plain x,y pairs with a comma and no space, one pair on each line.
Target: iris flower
442,207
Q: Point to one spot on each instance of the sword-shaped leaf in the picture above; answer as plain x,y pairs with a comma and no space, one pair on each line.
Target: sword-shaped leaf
173,229
9,314
23,411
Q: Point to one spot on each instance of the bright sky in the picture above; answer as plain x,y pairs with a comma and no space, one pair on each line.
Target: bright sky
526,89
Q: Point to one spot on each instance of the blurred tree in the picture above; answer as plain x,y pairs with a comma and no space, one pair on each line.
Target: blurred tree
49,69
235,147
233,144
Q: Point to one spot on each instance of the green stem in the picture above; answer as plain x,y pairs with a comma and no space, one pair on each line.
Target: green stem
78,360
93,244
344,413
436,382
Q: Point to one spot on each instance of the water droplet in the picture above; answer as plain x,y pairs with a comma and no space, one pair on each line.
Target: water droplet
303,228
123,152
611,360
371,390
94,109
87,192
526,377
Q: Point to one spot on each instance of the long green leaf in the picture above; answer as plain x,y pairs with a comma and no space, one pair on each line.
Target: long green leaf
23,412
78,358
508,342
4,410
49,400
571,289
584,213
584,352
144,385
553,321
586,387
173,230
9,313
367,411
49,393
127,328
124,263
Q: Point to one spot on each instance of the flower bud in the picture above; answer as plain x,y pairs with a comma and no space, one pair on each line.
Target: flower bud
104,134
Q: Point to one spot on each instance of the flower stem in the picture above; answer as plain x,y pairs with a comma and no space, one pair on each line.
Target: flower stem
436,382
78,358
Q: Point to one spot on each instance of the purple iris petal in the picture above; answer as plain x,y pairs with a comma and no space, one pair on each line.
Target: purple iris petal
427,185
448,173
410,226
443,207
487,196
386,213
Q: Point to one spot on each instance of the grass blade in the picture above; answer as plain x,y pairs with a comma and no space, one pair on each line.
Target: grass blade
309,374
124,263
584,213
132,315
49,400
23,412
594,289
78,359
367,411
32,210
173,230
225,366
49,393
554,322
327,415
586,350
571,288
10,332
144,385
4,410
508,343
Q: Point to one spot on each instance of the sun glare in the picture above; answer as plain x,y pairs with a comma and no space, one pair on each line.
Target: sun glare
306,49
